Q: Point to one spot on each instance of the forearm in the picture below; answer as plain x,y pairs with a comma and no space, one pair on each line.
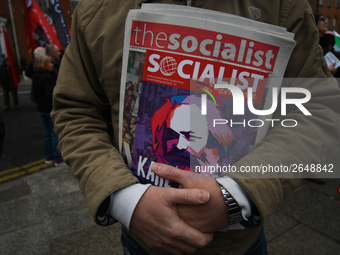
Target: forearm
82,115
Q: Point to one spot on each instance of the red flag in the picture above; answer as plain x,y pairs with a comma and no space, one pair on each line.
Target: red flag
11,59
38,29
29,24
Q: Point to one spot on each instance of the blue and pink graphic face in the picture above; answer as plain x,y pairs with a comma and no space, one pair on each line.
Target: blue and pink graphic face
182,136
193,134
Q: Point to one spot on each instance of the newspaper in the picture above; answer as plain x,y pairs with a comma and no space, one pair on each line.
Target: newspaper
195,87
332,59
215,16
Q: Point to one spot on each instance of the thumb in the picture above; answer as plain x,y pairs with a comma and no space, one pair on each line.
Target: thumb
187,196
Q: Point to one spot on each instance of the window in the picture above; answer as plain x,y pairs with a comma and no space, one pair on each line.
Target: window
337,3
329,3
335,22
320,2
327,21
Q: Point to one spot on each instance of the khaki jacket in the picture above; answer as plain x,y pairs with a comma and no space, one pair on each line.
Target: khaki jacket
86,100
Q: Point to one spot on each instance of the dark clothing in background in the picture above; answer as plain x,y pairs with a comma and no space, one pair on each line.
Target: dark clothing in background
43,84
29,69
4,77
8,86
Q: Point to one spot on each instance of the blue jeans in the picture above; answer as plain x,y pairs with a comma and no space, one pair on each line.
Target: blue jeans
131,247
50,138
259,247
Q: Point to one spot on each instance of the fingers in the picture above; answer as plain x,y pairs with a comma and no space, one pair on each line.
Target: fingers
196,238
184,238
156,222
174,174
180,196
170,172
187,196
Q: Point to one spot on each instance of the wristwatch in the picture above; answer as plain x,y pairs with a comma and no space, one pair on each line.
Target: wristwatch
234,210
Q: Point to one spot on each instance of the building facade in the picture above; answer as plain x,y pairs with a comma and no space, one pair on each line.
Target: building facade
330,10
12,16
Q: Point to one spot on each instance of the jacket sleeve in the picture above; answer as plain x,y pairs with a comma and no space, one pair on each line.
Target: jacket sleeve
82,113
315,136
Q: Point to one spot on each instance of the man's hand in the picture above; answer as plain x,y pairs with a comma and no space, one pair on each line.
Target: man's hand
208,217
332,68
156,222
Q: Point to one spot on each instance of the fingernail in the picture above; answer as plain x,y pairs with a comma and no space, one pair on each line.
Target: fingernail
203,196
155,167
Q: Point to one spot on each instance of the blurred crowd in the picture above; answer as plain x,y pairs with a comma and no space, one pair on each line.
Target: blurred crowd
327,42
43,71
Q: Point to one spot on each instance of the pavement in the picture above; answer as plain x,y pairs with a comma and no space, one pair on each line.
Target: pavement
44,213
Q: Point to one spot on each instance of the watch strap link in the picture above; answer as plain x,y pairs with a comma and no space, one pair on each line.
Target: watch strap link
234,210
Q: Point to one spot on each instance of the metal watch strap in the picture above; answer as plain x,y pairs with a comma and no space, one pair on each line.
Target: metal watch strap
234,210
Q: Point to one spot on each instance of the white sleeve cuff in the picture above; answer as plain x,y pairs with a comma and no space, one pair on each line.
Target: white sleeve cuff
124,201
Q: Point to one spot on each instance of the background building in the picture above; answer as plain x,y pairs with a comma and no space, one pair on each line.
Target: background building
12,16
330,10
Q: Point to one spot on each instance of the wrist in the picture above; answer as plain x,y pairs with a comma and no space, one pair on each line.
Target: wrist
234,210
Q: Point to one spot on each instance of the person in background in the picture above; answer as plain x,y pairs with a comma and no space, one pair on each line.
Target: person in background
54,52
7,84
327,42
44,80
321,25
39,51
320,22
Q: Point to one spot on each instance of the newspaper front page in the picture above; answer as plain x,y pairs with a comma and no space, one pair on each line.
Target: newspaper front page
197,90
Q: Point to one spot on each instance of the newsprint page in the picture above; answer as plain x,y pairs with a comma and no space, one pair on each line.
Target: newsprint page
196,88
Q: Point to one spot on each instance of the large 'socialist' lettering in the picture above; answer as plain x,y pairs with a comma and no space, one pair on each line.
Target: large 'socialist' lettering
242,52
195,70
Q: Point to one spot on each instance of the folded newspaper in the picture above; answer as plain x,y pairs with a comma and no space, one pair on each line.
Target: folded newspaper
331,59
197,88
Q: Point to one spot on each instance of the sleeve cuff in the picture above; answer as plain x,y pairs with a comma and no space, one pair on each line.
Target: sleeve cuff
124,202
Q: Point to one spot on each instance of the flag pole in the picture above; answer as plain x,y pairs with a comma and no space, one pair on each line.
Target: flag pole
14,33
